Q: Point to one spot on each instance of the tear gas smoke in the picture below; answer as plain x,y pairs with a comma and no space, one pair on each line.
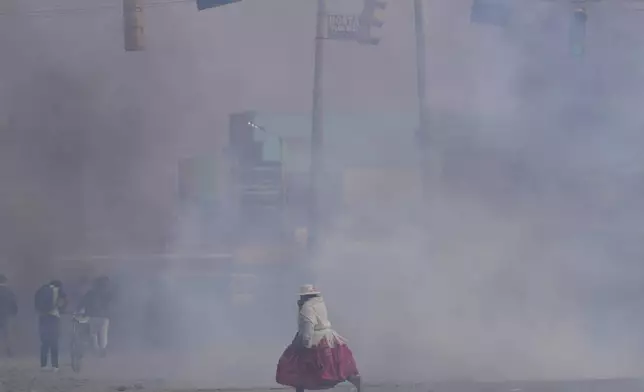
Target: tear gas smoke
527,266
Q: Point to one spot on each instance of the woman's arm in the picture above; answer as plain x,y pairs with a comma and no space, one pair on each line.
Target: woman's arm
306,324
305,332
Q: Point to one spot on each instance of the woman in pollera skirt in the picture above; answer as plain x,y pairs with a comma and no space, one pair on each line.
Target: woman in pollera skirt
318,358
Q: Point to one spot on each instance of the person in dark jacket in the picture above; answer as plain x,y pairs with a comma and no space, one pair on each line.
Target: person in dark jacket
50,302
96,305
8,310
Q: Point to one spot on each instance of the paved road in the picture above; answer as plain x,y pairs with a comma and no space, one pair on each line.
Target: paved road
23,375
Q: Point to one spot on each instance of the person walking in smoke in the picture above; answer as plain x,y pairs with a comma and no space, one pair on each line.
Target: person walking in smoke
96,305
50,300
8,310
318,358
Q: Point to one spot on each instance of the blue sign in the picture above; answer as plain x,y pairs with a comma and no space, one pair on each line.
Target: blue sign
491,12
206,4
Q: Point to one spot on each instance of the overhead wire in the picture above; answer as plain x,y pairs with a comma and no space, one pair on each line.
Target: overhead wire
166,3
74,10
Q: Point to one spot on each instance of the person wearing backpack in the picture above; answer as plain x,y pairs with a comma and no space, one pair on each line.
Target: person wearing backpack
8,310
50,301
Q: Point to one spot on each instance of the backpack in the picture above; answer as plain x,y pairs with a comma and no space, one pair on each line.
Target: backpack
8,306
44,300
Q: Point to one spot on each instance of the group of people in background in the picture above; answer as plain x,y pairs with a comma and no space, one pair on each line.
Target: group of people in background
50,302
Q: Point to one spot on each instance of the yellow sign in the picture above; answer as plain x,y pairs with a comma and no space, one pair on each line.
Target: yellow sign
257,254
378,186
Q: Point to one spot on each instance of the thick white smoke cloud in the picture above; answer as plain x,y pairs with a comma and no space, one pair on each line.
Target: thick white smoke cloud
537,278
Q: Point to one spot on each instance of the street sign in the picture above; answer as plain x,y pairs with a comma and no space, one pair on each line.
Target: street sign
342,27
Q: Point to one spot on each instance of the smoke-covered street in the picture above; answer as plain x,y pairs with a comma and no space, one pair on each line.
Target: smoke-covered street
20,375
301,193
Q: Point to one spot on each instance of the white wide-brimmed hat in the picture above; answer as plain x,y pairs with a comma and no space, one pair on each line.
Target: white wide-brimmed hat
308,289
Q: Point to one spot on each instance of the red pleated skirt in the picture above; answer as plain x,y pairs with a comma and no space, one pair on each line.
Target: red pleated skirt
319,367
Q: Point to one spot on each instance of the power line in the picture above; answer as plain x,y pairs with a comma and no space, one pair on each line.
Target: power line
75,10
166,3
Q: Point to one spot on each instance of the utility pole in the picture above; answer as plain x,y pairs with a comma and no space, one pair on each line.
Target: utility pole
423,116
133,25
317,131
